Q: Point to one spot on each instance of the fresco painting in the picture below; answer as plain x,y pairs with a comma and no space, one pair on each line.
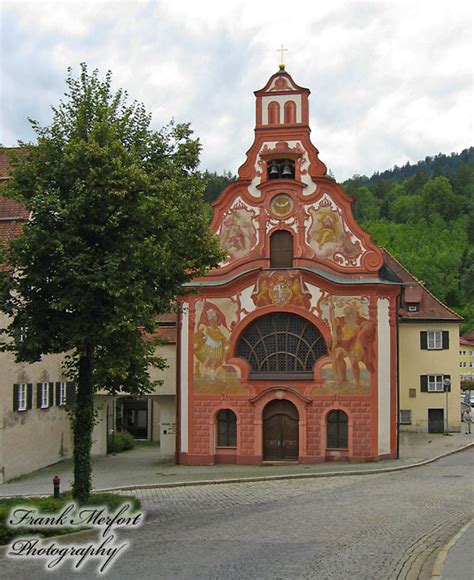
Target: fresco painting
238,234
214,319
352,345
328,238
280,289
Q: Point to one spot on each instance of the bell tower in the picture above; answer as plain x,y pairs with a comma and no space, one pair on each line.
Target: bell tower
282,104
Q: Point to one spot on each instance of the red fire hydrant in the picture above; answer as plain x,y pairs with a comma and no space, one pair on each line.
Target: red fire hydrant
56,484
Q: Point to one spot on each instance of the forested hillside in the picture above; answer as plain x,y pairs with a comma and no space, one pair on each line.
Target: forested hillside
424,215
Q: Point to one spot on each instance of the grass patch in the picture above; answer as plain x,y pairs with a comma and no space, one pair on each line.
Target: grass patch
49,505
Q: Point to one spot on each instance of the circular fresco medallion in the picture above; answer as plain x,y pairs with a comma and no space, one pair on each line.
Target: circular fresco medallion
281,205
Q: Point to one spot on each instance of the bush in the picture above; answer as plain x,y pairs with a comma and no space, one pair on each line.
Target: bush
122,441
48,505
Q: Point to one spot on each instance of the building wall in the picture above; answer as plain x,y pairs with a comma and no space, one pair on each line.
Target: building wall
34,438
415,361
466,360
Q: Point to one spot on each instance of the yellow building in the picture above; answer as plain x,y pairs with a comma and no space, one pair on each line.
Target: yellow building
428,359
466,356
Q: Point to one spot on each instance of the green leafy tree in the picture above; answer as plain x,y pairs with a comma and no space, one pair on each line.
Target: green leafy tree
438,198
405,208
118,227
366,205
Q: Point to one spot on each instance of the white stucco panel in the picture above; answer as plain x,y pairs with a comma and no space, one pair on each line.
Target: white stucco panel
383,345
184,386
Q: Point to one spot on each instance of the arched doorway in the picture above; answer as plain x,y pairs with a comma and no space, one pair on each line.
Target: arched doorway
280,431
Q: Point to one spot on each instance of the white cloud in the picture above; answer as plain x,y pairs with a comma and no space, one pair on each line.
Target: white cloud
390,81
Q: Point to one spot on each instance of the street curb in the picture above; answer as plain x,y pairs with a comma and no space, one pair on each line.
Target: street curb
438,566
289,476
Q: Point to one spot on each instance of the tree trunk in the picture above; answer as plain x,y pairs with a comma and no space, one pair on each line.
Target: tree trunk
83,423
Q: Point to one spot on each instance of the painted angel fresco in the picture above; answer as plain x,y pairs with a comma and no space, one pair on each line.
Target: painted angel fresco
327,237
352,343
238,234
210,341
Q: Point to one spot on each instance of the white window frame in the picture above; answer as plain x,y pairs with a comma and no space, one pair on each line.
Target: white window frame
434,339
62,394
407,419
22,397
435,383
44,396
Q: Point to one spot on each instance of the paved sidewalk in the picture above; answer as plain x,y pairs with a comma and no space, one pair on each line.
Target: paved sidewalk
459,563
143,466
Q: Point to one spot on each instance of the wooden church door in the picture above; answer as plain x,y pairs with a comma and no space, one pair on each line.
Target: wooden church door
280,431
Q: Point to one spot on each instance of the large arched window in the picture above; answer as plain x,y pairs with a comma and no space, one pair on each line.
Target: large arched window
226,428
281,249
337,431
281,345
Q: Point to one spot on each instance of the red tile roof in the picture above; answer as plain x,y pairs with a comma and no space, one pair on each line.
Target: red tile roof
5,161
469,335
430,308
466,341
413,294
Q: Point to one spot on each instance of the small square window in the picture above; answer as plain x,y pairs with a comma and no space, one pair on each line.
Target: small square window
405,417
412,393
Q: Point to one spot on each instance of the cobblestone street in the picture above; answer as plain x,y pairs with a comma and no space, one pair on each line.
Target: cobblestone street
380,526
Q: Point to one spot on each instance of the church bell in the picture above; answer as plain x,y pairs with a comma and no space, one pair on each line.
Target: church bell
274,173
287,171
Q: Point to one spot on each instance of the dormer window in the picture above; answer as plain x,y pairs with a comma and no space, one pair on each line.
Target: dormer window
281,169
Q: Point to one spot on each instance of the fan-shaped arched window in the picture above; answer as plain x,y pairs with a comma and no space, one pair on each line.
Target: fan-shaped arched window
281,345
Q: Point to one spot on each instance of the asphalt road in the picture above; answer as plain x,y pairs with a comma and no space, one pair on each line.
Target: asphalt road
358,527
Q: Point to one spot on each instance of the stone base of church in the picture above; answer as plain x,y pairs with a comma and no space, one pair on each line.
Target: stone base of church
331,456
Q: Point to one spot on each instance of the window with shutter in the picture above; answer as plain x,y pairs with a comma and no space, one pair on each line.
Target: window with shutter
281,249
22,397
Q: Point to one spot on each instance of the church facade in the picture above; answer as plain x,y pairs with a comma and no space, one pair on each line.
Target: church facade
288,350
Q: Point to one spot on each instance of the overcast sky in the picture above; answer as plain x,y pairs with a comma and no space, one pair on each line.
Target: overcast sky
390,82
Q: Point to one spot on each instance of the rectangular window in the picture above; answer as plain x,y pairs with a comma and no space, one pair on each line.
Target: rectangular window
44,395
62,394
22,400
412,393
405,417
435,384
435,339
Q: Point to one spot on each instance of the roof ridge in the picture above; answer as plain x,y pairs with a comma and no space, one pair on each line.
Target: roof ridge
422,286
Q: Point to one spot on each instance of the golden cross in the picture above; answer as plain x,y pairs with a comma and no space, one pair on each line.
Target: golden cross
281,50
